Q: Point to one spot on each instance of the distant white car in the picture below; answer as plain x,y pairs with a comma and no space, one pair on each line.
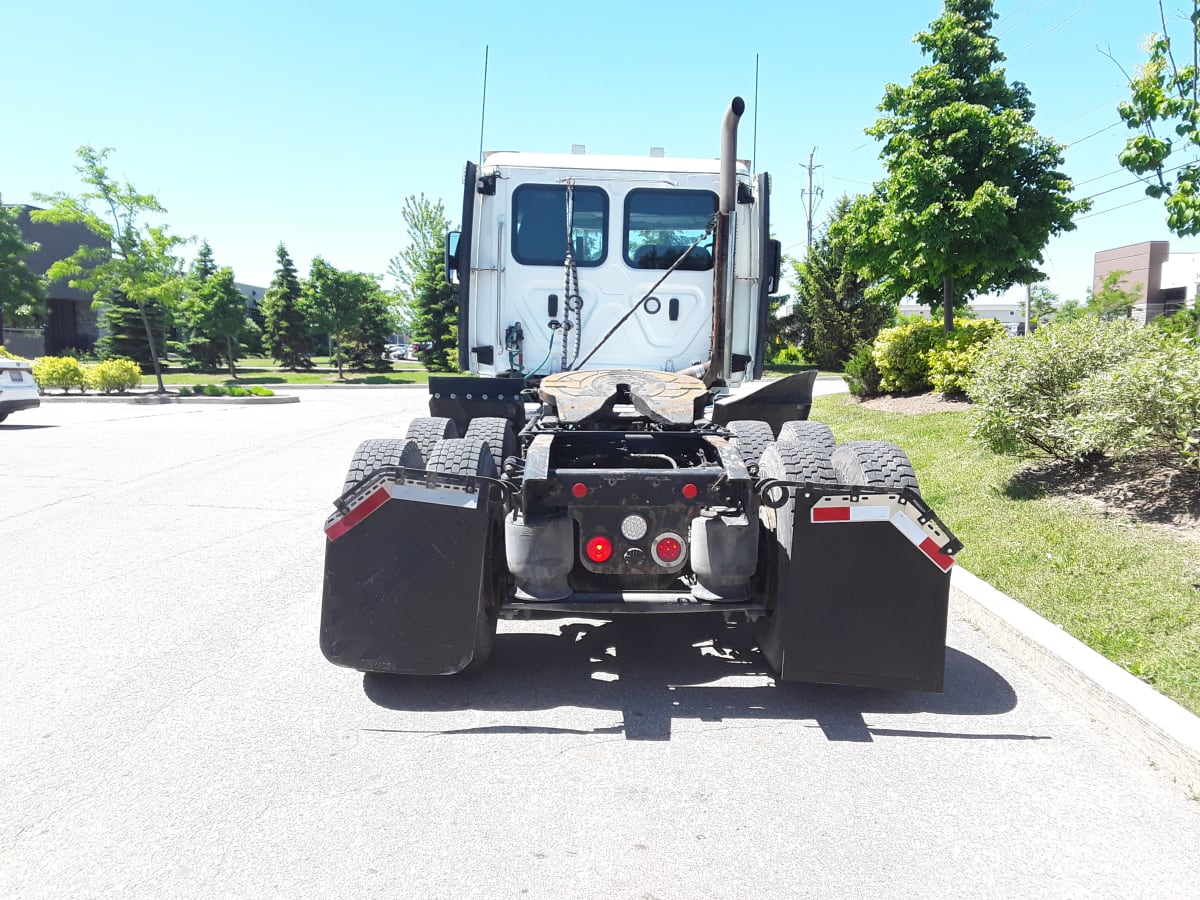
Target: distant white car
18,390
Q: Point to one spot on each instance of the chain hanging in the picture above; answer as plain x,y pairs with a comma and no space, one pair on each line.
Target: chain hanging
572,299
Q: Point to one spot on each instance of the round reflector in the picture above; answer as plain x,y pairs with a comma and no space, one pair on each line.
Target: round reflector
633,527
689,491
579,490
668,549
598,549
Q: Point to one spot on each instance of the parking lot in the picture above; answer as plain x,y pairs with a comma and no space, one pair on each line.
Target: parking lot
171,728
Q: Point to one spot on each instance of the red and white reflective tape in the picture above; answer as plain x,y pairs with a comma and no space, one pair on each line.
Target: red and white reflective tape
925,536
387,490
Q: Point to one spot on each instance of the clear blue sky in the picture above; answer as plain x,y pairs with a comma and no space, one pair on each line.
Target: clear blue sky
307,123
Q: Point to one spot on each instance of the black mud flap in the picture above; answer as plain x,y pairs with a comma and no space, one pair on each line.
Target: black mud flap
866,594
405,576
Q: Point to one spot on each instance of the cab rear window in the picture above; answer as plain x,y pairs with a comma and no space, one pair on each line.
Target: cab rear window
660,226
539,234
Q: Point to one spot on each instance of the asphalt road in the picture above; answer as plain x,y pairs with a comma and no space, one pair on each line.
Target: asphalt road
170,728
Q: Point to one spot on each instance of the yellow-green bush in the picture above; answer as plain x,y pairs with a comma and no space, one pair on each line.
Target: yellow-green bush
952,365
8,354
113,375
900,355
58,372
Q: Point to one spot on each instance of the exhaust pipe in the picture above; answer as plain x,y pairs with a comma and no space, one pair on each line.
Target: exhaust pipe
718,364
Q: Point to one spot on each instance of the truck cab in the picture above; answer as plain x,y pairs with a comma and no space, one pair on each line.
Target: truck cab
557,249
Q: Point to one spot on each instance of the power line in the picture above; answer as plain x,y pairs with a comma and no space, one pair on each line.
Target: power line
1138,181
1014,24
1054,27
1098,177
1112,209
1094,133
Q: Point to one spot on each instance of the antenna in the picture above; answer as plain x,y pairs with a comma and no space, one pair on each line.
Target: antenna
483,111
754,142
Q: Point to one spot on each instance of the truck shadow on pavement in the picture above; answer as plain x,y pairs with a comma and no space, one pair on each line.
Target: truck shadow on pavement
655,669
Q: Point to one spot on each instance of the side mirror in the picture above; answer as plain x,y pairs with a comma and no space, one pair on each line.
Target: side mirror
451,258
774,262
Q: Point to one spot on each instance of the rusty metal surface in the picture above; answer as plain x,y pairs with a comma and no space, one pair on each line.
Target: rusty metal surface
665,397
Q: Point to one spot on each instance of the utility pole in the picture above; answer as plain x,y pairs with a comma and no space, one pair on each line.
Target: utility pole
810,194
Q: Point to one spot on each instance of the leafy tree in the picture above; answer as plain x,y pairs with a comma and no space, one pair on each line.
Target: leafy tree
216,315
22,293
973,192
1164,105
1112,301
285,328
428,304
335,301
137,271
840,312
1042,304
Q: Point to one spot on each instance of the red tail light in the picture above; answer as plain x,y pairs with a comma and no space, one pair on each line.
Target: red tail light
598,549
668,548
690,491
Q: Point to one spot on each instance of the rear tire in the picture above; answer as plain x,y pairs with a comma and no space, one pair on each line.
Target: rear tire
427,431
468,456
806,431
874,463
499,435
752,438
379,453
787,461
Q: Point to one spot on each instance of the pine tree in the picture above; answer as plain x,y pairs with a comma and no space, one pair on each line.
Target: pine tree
364,342
286,332
124,330
833,297
200,350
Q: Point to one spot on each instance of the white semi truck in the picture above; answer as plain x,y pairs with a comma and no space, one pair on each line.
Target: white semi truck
618,450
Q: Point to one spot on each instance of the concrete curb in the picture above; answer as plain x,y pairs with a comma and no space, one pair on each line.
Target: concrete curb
1164,730
156,399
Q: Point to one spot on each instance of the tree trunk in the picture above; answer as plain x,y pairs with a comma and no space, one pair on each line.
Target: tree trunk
229,357
1,321
153,350
341,377
948,304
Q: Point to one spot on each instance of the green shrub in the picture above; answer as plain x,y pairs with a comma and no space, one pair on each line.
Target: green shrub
788,356
235,390
901,355
952,365
1146,402
59,372
1028,393
113,375
212,390
861,373
1179,326
7,354
259,391
185,391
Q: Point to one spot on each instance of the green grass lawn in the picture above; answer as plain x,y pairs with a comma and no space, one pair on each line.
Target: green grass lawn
1125,589
257,370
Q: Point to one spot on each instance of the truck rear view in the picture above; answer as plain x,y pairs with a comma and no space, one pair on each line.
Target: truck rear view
618,453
